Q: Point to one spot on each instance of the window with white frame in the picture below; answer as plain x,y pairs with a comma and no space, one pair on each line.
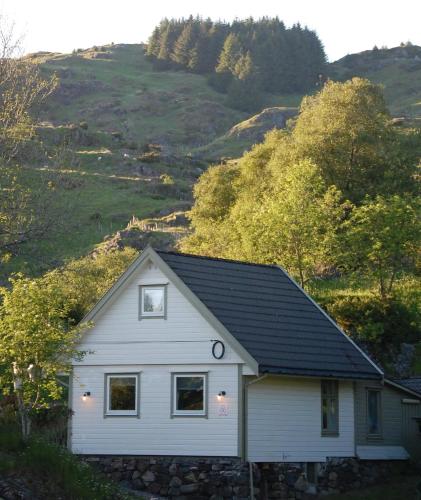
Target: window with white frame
153,301
122,394
189,394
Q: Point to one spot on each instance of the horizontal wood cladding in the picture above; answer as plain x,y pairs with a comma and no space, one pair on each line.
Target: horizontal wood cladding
155,432
184,336
284,421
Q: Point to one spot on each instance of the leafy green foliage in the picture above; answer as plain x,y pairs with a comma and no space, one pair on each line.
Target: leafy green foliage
286,205
346,129
82,282
378,324
283,203
382,238
37,342
23,88
75,478
243,213
52,471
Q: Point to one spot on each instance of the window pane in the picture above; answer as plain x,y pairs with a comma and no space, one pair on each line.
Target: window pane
189,393
123,393
153,300
373,412
330,406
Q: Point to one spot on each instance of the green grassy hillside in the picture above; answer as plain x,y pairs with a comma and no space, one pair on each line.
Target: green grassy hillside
397,69
111,106
114,89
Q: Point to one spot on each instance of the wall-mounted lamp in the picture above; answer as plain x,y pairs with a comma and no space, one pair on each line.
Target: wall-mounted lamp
86,395
221,395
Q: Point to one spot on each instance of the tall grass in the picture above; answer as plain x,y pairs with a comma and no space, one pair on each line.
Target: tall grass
61,473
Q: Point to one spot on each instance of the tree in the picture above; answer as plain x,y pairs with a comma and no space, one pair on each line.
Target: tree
24,212
244,91
289,60
185,44
294,224
382,238
38,332
347,130
83,281
230,54
153,46
37,342
214,194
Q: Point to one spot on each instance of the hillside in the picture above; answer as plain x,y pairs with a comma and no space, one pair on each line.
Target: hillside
138,139
115,90
248,132
398,69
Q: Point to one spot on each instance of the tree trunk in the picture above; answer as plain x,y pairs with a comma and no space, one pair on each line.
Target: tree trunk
25,418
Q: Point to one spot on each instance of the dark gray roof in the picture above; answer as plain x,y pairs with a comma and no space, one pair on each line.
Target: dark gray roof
273,319
413,383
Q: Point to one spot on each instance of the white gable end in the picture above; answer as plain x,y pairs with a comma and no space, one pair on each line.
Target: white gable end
120,337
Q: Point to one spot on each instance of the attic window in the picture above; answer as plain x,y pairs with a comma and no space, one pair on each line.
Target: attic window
153,300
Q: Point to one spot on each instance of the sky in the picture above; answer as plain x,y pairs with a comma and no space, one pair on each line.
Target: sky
343,26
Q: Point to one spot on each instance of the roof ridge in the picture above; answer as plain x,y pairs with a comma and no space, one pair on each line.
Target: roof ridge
218,259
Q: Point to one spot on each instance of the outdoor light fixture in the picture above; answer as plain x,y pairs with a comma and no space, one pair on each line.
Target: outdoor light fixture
221,395
86,395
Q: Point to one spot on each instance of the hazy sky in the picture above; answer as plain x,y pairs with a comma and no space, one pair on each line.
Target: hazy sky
344,26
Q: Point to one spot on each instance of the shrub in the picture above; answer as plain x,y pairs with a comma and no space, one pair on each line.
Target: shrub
58,473
77,479
382,326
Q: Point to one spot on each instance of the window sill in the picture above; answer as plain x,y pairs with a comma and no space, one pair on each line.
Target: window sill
189,415
374,437
129,415
152,316
330,434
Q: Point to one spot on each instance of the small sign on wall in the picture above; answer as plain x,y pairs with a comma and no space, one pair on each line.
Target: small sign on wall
223,411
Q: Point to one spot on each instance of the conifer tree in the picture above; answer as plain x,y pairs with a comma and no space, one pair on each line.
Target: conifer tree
230,54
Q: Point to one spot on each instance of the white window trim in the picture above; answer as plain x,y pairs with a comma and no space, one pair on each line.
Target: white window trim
121,413
189,413
142,313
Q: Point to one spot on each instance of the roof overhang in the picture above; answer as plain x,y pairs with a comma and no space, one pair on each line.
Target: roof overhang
397,385
290,372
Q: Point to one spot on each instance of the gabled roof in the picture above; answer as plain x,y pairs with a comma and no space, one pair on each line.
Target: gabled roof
272,318
261,313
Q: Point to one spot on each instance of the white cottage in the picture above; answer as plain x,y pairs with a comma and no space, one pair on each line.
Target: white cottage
195,356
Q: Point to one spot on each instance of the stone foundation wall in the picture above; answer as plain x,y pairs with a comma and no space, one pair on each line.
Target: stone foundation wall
198,478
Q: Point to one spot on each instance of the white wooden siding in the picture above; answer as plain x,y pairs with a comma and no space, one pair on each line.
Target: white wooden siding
155,347
119,337
155,432
284,421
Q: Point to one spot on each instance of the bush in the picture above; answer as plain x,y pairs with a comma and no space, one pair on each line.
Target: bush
56,471
77,479
381,326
